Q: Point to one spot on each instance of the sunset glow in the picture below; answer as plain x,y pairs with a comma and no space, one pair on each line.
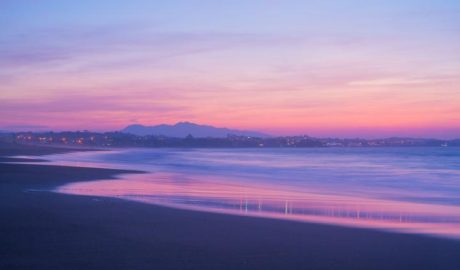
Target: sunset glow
390,68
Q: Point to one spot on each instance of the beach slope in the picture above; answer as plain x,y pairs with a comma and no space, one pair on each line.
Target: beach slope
45,230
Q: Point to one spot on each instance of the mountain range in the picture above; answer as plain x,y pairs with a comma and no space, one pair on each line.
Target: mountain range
183,129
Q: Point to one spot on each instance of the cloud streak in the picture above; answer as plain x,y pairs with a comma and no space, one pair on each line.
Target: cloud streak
342,65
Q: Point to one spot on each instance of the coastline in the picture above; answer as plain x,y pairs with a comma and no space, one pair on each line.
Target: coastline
46,230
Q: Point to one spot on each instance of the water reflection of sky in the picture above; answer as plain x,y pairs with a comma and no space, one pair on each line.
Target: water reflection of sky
406,189
207,193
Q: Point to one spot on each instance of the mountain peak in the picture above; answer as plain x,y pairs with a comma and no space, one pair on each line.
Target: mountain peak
185,123
185,128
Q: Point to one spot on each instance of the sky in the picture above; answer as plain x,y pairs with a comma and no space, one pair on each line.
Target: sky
351,68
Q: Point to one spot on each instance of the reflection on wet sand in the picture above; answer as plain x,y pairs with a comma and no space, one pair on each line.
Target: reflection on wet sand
233,196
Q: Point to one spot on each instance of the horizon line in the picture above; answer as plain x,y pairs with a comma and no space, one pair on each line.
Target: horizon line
267,135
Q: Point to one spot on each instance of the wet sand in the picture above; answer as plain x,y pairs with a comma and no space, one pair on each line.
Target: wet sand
45,230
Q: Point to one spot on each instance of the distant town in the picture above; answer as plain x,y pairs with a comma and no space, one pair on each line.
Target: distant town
122,139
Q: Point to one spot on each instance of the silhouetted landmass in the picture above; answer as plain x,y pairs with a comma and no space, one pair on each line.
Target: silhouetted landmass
120,139
183,129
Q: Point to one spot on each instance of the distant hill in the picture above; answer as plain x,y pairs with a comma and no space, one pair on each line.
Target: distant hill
183,129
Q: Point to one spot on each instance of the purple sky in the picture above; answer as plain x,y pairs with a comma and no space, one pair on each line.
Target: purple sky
323,68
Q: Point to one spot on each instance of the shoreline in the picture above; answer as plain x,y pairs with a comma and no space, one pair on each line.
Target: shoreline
389,226
46,230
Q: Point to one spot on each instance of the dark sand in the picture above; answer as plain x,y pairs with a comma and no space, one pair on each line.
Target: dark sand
44,230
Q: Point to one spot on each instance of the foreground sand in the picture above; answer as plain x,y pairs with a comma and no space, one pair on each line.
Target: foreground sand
44,230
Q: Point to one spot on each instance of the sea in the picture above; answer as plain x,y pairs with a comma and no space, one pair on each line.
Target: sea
399,189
